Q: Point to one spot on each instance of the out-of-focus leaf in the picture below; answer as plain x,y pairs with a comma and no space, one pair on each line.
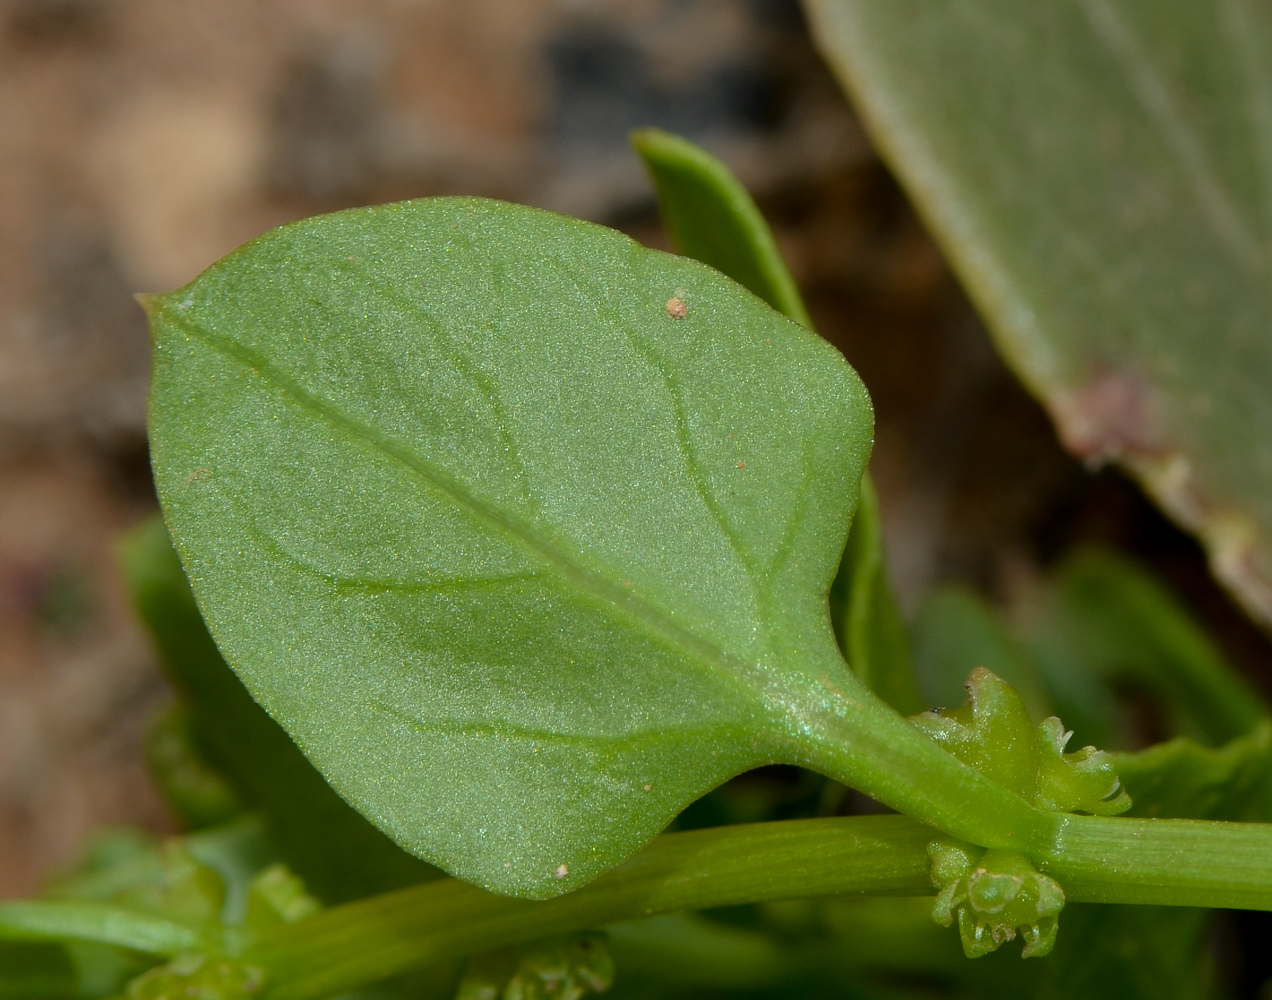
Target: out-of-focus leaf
1186,780
202,976
516,546
128,903
36,971
569,967
199,795
1099,172
338,853
100,923
955,632
1128,953
711,217
879,946
132,902
867,621
238,852
1104,615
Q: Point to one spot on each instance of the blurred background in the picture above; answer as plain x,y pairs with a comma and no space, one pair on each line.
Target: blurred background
140,140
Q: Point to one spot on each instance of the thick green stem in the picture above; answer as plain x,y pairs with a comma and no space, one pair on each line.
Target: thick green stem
1174,862
1102,860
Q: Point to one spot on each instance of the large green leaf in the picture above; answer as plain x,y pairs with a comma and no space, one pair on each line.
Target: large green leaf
1100,174
522,560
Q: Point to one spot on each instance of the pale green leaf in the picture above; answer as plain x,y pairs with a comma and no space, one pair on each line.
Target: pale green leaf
522,561
1186,780
1100,174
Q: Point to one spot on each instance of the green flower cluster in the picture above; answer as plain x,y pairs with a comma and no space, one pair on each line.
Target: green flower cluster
994,893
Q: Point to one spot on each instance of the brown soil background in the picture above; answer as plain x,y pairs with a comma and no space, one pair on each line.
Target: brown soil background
142,139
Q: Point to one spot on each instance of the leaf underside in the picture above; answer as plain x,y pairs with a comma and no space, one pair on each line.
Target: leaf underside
1100,173
520,559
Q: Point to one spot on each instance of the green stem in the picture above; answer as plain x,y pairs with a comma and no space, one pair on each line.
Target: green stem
359,943
1172,862
1182,862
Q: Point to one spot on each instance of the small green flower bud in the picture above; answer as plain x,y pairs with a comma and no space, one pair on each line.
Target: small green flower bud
993,894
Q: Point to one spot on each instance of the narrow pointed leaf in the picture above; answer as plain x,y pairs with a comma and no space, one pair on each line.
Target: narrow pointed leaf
711,217
522,559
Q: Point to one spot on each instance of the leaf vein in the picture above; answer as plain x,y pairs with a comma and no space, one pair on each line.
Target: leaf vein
469,370
790,530
502,729
636,607
684,440
346,582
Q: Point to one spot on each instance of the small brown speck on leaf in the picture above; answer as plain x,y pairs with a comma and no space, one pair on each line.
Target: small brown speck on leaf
561,871
677,309
741,465
649,788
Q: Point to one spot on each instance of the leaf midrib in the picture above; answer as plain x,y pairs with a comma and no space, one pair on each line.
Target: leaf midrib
750,675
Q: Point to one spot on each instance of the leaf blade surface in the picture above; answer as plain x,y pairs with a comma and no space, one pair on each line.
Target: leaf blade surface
520,560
